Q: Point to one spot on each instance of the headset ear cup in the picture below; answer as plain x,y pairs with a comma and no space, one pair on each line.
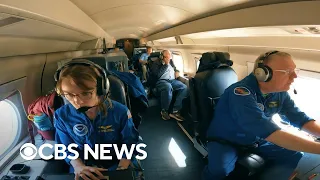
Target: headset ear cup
270,73
262,73
107,86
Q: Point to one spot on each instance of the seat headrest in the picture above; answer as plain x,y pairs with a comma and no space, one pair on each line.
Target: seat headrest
213,60
154,56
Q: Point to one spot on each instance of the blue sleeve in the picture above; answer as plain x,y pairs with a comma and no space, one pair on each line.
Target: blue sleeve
62,135
129,133
245,111
144,57
296,117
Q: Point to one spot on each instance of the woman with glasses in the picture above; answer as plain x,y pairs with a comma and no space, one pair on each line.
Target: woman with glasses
243,118
91,118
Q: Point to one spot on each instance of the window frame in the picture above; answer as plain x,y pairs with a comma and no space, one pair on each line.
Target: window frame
11,91
17,127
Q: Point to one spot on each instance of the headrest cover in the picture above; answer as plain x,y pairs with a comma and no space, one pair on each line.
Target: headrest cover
213,60
154,55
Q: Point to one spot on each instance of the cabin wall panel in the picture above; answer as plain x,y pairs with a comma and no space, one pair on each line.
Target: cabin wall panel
240,55
31,67
48,82
16,46
13,68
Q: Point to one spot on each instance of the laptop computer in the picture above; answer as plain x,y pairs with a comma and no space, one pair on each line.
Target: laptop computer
112,175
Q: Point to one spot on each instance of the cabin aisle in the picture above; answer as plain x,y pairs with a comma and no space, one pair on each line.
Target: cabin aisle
160,164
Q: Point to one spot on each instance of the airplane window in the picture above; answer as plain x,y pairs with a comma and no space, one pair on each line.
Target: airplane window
9,122
178,62
198,62
307,98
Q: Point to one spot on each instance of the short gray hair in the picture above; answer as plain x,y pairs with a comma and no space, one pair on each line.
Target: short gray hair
265,57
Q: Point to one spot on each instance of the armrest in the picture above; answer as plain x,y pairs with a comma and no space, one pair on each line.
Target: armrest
252,162
184,80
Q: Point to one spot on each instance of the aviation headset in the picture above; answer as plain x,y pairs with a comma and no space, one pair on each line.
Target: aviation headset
102,80
161,54
263,72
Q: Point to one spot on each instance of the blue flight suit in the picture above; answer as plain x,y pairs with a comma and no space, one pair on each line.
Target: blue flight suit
135,86
115,128
244,116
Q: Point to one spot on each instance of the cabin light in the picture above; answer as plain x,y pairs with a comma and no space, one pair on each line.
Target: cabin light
177,153
143,29
313,30
159,22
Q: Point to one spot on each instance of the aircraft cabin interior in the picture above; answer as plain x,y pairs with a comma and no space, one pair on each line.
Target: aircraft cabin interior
124,40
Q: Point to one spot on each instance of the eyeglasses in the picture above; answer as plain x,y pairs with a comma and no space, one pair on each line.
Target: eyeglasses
83,96
288,72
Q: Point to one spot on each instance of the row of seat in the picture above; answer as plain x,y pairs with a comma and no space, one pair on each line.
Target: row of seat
214,75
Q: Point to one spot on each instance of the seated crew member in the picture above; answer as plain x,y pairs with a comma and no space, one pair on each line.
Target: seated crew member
91,118
243,116
143,60
166,73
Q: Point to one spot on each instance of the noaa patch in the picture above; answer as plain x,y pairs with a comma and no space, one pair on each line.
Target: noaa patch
242,91
80,129
260,106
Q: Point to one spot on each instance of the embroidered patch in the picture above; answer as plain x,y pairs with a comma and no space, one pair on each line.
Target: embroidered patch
273,104
242,91
80,129
260,106
105,128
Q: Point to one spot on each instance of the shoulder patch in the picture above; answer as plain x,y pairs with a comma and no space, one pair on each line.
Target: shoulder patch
260,106
242,91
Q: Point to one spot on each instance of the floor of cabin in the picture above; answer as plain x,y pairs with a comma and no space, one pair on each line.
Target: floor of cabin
160,164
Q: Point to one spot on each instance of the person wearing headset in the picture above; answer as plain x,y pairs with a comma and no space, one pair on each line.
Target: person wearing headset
91,118
243,117
165,73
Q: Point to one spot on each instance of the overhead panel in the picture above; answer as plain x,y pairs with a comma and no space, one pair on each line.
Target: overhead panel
24,27
150,16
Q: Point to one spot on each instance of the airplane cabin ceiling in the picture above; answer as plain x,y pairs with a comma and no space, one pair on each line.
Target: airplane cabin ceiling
140,18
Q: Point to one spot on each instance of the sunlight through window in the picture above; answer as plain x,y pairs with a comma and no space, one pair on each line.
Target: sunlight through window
178,62
307,99
177,153
9,122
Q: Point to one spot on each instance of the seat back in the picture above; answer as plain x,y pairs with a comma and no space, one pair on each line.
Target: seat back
117,61
206,88
117,90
